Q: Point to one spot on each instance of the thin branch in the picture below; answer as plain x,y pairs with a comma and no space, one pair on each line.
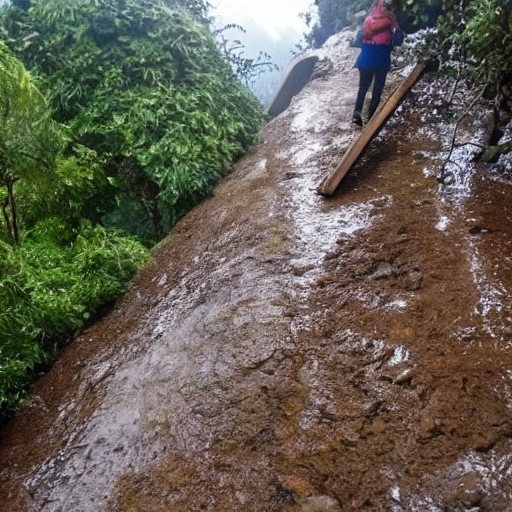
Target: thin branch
476,144
7,221
466,112
452,94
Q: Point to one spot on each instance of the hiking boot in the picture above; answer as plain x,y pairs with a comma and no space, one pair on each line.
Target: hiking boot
357,119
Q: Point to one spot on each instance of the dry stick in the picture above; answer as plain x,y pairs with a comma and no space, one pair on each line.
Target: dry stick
466,112
452,94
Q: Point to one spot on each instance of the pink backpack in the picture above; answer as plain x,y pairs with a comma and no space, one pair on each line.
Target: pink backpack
378,25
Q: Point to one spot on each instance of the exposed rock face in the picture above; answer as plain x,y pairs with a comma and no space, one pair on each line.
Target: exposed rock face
291,353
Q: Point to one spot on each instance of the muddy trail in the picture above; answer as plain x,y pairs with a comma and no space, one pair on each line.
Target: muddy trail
288,352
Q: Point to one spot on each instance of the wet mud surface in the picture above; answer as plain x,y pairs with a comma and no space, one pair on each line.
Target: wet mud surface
288,352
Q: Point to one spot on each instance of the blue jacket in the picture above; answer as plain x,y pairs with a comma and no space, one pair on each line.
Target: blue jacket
374,56
377,56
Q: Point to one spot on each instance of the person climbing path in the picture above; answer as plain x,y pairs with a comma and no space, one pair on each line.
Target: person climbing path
379,34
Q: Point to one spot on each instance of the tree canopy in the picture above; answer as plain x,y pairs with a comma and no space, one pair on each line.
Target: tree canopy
142,83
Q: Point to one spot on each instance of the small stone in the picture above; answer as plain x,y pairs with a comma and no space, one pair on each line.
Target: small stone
405,376
382,269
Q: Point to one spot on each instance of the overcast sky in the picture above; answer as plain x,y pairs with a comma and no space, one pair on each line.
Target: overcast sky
275,16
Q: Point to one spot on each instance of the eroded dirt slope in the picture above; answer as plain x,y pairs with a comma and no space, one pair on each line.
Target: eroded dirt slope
287,352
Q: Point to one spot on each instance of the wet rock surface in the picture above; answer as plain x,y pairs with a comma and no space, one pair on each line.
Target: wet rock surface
287,352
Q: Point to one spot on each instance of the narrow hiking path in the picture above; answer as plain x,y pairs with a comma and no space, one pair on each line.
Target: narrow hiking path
288,352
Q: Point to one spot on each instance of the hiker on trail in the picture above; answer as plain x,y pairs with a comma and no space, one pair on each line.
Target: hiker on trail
380,33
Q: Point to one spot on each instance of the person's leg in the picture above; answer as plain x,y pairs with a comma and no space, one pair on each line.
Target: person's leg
365,80
378,87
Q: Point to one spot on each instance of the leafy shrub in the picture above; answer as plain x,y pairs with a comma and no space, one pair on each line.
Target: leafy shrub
71,191
57,269
142,83
474,33
487,38
50,288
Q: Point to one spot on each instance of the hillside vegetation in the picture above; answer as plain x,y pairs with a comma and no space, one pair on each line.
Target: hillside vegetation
116,119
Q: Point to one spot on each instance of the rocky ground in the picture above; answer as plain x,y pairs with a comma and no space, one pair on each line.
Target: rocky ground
290,352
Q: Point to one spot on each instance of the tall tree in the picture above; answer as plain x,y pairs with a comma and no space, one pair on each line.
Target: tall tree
29,139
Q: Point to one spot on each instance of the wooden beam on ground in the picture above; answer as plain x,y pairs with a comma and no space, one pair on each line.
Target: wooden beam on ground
331,182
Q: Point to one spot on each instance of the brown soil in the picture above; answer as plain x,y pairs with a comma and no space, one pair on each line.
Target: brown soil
275,359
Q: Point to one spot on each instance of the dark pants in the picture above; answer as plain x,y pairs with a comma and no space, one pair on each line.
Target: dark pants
366,76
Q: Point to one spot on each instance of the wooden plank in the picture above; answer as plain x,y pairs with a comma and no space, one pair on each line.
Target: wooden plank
331,182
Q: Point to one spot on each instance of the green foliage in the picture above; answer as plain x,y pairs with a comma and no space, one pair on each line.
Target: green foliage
70,192
487,38
477,34
29,139
246,69
50,288
142,83
413,15
56,268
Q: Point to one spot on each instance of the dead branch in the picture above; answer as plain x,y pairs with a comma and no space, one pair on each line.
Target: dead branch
452,94
465,113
